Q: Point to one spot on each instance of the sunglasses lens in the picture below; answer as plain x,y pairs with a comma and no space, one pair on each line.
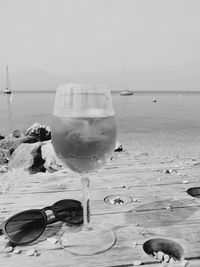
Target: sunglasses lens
70,211
25,227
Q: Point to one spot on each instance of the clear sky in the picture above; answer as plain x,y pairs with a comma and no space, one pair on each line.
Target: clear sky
63,36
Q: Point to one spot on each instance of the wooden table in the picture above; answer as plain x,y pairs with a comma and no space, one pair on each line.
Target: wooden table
161,208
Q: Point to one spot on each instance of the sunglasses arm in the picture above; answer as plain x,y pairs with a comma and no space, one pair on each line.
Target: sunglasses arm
50,221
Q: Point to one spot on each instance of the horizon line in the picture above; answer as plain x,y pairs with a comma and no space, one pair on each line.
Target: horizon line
118,91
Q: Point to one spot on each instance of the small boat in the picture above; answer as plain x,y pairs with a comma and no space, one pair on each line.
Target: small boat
7,91
126,92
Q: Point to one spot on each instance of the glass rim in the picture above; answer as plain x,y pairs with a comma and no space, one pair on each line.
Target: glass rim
93,87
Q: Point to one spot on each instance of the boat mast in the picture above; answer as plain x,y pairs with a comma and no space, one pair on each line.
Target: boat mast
8,82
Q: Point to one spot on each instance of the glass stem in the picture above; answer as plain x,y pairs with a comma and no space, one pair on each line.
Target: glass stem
86,203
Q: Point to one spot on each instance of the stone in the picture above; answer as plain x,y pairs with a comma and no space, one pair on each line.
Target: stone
27,157
41,132
118,147
9,144
52,163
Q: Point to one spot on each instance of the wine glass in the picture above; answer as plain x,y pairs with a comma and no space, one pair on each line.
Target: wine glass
84,136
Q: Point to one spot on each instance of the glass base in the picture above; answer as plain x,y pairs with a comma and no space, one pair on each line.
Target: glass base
88,242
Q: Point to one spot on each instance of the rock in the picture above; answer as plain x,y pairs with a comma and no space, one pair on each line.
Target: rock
1,137
118,147
41,132
3,157
27,157
52,162
9,144
16,134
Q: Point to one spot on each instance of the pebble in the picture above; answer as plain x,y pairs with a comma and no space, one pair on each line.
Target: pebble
31,252
160,255
185,182
8,249
37,254
137,263
166,172
166,258
134,244
52,240
16,251
169,207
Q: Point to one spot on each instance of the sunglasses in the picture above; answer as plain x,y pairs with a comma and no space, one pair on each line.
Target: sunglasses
27,226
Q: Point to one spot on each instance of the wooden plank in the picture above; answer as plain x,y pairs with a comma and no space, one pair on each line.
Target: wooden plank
150,217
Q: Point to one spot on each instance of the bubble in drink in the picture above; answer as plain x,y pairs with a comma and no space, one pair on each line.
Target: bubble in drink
84,144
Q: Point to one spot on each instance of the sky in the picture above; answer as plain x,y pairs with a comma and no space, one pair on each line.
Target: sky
144,37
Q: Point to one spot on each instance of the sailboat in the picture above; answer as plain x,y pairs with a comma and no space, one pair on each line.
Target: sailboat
7,91
125,92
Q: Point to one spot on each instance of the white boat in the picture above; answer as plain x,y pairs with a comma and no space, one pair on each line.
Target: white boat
7,91
126,92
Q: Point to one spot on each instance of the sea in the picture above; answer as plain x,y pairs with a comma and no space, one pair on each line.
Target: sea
176,113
